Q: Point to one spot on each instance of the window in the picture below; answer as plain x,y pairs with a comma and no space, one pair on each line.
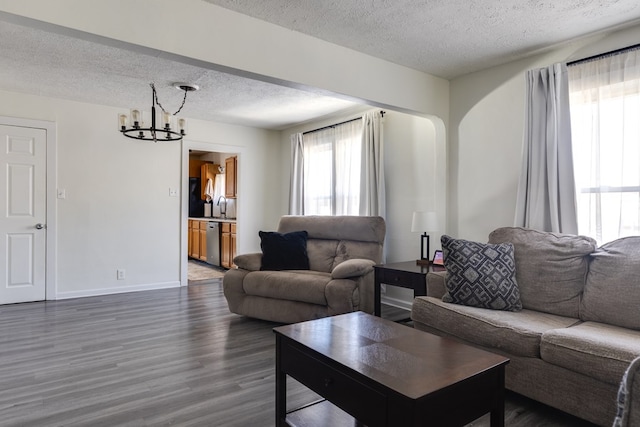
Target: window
605,126
332,164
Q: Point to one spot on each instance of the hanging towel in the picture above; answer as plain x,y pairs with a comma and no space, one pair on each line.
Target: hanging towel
208,191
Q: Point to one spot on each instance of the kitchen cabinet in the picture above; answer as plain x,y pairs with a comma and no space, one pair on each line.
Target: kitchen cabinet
195,168
197,239
227,244
189,238
202,231
233,244
225,253
231,177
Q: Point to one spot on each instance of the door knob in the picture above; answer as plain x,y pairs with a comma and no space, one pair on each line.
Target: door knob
40,226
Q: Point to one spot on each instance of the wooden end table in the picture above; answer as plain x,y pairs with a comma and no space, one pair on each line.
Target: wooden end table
375,372
406,274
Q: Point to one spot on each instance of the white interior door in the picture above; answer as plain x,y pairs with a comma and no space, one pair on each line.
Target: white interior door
23,214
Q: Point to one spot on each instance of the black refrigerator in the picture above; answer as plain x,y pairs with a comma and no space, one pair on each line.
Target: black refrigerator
196,204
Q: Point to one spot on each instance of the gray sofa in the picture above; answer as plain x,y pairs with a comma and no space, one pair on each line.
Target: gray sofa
579,327
342,251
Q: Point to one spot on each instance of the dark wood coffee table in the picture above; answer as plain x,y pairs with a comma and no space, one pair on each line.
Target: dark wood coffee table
375,372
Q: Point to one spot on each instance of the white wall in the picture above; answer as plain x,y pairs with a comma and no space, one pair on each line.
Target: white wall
415,174
118,212
486,130
260,195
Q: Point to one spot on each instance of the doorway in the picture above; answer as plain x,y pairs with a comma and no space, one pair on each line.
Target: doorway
200,268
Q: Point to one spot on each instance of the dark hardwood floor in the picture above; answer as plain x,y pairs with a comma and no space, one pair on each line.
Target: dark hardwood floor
156,358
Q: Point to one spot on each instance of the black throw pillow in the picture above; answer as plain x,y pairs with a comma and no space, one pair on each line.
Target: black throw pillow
284,251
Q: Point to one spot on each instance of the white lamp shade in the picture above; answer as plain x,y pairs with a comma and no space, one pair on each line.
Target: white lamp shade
424,221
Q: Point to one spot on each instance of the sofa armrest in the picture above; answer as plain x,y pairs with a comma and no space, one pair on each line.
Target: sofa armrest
250,262
352,268
436,284
628,403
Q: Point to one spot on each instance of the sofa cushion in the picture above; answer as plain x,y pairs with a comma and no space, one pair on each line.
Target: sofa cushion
480,275
515,333
335,239
294,285
358,228
322,254
594,349
551,268
612,292
284,251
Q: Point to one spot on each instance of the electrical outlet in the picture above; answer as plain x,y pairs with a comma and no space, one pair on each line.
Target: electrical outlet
173,192
121,274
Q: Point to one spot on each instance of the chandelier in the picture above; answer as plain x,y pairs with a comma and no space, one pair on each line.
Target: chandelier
169,129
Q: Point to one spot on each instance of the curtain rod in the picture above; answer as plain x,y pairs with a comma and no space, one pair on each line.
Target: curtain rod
338,124
604,55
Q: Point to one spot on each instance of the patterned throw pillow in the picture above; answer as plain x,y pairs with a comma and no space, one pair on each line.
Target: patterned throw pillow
480,275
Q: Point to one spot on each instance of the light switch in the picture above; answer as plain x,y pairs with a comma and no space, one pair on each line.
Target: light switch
62,193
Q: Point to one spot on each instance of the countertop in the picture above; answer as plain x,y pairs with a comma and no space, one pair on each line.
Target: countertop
214,219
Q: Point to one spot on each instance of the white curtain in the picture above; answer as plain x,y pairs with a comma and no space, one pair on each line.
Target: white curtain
339,170
318,176
372,191
605,116
546,191
348,164
296,186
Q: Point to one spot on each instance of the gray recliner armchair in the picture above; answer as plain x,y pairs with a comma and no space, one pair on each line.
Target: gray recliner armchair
341,250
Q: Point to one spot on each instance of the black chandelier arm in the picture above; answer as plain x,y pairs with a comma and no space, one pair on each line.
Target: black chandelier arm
155,98
151,134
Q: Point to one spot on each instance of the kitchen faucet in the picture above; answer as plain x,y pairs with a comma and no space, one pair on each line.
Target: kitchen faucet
223,213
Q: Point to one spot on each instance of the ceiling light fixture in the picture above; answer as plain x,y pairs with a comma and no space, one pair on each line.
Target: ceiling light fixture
133,126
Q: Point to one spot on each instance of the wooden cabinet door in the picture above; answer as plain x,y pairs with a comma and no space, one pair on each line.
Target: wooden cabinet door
233,249
203,240
225,249
195,241
189,238
231,174
195,168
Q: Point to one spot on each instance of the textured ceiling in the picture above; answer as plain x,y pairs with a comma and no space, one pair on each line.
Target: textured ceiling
445,38
65,67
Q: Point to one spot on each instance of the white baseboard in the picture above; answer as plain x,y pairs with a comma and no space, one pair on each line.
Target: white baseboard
395,302
119,290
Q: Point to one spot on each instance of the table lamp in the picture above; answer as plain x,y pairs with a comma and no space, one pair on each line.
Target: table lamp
423,222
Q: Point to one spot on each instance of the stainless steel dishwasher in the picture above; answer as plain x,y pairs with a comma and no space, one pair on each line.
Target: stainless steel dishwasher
213,243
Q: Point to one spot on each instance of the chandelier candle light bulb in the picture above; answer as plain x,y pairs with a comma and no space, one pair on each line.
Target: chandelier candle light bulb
135,116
